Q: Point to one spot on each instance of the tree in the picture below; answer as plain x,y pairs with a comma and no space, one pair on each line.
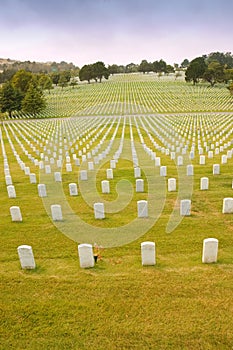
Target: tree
169,69
45,82
21,80
195,70
33,101
230,88
145,67
10,99
55,77
131,68
214,73
113,69
185,63
100,71
86,73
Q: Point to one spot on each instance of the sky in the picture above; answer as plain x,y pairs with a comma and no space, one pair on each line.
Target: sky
114,31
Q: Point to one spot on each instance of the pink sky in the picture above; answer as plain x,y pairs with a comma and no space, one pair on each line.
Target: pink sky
114,31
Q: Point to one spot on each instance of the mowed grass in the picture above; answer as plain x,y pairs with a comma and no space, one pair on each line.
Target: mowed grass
179,303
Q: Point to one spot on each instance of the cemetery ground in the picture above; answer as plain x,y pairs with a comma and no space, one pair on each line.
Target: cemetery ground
179,303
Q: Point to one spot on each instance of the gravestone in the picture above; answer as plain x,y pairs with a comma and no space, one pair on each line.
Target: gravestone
56,212
202,160
47,169
179,160
11,191
57,176
185,207
157,161
42,190
216,169
99,211
26,257
142,207
137,172
210,250
163,170
148,253
83,175
113,164
86,258
90,166
32,178
77,161
73,189
8,180
139,185
224,159
105,186
204,185
109,174
171,185
227,206
190,170
15,213
68,167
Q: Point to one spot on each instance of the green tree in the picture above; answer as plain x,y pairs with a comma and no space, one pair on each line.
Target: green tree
230,88
195,70
21,80
86,73
100,71
55,76
169,69
145,67
131,68
10,99
214,73
185,63
45,82
33,101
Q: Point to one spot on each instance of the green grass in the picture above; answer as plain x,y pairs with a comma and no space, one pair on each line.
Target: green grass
179,303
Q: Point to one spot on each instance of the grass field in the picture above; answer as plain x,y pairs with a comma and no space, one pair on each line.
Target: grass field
179,303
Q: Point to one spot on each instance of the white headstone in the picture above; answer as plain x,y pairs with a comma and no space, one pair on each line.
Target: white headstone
109,174
11,191
137,172
113,164
8,180
224,159
85,253
204,185
139,185
227,206
56,212
190,170
83,175
210,250
142,207
42,190
32,178
68,167
73,189
148,253
99,210
185,207
57,176
216,169
90,166
202,160
163,170
15,213
47,169
171,185
105,186
179,160
26,257
157,161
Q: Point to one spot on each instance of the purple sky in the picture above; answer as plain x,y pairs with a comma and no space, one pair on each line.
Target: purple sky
114,31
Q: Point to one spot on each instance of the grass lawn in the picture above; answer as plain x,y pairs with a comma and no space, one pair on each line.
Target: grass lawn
179,303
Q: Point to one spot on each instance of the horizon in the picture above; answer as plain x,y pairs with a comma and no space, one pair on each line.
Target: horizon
114,31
